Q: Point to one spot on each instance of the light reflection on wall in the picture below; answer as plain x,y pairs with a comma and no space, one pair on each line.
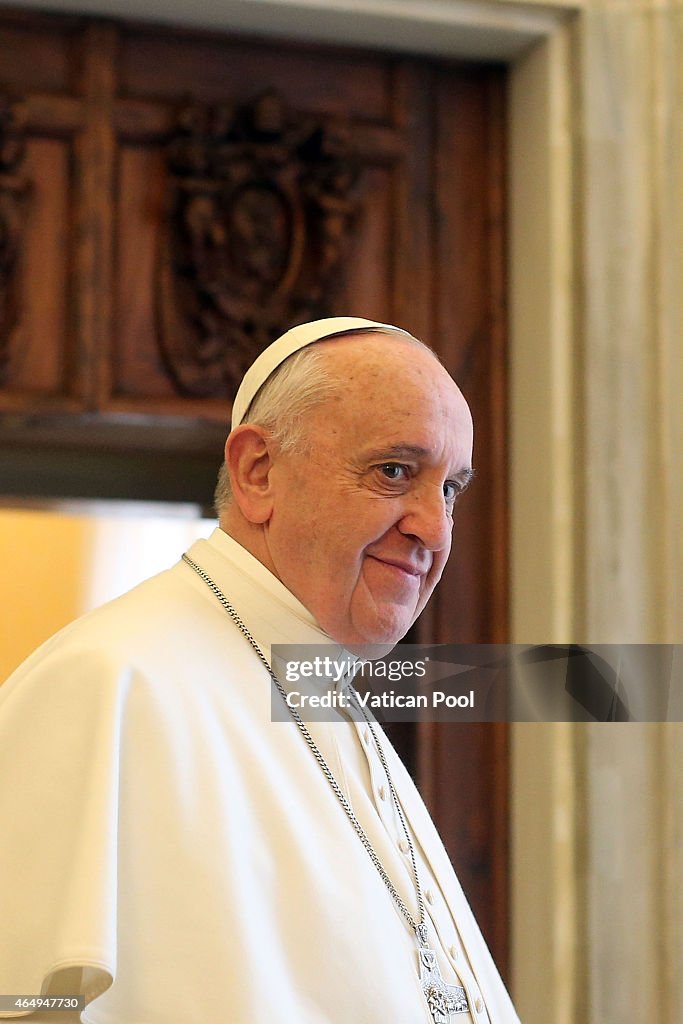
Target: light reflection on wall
58,563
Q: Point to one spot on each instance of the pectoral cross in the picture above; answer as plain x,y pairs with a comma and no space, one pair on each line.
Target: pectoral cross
443,1000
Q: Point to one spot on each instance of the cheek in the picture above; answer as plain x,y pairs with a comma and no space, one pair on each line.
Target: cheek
348,529
335,555
435,573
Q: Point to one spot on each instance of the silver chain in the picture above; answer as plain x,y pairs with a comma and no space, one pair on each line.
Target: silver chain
419,927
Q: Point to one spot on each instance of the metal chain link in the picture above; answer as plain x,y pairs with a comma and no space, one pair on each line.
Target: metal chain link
417,926
399,811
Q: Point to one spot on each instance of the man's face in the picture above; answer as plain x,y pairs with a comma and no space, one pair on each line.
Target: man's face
361,524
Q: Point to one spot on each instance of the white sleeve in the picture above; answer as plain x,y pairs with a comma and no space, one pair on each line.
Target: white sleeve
60,731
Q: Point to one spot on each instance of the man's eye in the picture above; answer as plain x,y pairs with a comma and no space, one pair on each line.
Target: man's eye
450,492
394,471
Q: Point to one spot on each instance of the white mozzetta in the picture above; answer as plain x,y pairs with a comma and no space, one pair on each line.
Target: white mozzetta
188,851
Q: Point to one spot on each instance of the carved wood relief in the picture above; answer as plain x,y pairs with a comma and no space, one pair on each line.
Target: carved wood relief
14,191
261,208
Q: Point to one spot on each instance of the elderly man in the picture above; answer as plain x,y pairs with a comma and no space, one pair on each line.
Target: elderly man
169,851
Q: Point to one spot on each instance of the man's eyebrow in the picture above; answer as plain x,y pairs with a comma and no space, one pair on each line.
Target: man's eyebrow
399,451
464,478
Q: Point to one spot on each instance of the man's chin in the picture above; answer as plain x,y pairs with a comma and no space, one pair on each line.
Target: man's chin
371,650
375,639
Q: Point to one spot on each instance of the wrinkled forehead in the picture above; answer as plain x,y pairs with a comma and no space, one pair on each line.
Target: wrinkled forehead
394,390
400,370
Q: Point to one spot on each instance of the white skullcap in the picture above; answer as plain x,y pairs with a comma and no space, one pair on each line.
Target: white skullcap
294,340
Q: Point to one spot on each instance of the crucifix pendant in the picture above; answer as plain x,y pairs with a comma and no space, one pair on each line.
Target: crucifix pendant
443,1000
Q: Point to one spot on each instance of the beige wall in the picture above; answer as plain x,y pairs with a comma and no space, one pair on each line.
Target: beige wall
597,478
43,559
58,565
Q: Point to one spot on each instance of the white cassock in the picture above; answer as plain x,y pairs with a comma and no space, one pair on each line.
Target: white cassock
162,836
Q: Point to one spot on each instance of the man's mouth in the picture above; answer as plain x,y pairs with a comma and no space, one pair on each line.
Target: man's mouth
402,566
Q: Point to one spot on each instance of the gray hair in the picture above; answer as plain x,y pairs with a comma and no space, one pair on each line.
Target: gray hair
300,383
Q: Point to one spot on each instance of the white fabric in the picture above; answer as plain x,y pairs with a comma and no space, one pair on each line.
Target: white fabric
292,341
160,831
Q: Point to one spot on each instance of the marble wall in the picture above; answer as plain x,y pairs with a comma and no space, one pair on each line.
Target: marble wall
598,824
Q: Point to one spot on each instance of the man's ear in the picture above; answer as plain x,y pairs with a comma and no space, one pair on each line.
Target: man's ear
249,460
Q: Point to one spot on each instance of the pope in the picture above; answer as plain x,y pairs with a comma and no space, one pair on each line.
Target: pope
172,854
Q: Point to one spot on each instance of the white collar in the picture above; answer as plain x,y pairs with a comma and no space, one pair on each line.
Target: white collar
271,613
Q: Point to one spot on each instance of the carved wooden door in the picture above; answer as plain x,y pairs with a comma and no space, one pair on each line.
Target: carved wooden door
169,201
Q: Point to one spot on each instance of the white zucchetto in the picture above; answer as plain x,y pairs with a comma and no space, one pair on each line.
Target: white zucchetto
294,340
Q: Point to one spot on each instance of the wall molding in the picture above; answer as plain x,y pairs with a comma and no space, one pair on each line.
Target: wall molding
472,29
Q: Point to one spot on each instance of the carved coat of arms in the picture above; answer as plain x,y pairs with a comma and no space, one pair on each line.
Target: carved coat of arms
261,208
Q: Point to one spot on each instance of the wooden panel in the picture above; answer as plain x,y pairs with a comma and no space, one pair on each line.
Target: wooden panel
38,350
367,271
35,52
94,251
167,66
470,332
411,240
137,367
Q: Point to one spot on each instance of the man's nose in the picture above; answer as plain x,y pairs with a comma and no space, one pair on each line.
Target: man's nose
428,519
